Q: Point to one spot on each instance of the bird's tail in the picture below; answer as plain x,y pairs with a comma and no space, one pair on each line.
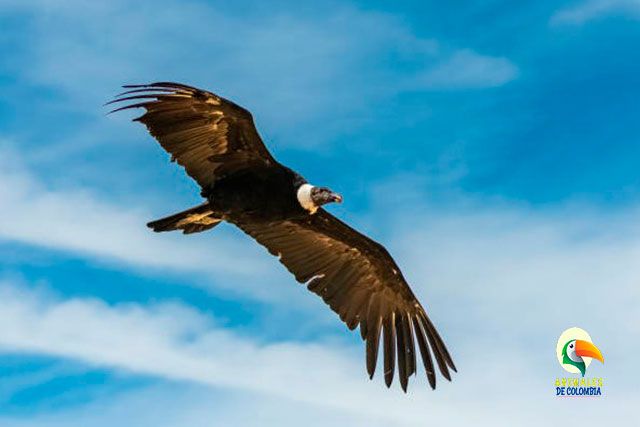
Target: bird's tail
194,220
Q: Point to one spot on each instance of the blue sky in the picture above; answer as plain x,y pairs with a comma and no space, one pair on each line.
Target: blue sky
491,146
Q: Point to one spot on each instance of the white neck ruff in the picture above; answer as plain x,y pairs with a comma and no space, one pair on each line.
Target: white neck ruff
304,198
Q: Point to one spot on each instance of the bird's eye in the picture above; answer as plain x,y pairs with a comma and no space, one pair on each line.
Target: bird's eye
571,346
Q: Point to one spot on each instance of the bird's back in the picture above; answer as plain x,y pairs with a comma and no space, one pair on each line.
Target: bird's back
261,193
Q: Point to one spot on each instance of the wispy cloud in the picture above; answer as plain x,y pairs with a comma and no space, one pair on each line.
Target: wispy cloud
176,343
312,72
77,221
505,270
466,69
500,279
592,9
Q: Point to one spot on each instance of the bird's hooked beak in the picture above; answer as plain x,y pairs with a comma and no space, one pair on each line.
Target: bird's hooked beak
586,349
335,197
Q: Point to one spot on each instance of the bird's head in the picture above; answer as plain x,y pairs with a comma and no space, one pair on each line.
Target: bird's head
312,197
322,195
574,351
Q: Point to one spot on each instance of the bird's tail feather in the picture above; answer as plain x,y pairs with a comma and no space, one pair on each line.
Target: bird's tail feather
194,220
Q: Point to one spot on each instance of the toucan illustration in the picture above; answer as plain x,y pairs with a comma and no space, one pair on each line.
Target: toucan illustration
574,351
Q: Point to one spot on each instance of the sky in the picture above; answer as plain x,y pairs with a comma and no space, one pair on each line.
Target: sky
491,146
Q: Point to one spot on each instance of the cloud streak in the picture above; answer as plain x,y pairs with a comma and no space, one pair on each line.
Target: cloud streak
593,9
466,69
487,275
308,73
78,222
176,343
500,279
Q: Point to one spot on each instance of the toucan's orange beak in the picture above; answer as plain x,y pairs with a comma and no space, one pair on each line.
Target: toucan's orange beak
586,349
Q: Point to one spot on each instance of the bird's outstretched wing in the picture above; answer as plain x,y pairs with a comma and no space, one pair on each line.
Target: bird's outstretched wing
360,281
205,133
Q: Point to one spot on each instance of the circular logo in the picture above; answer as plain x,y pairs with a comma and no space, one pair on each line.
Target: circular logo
575,350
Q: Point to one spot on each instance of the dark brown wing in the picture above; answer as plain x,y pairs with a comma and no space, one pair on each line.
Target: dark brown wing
360,281
203,132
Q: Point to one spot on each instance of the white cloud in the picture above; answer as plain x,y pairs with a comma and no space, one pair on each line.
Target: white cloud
501,282
299,73
481,246
466,69
542,245
592,9
76,221
512,263
178,344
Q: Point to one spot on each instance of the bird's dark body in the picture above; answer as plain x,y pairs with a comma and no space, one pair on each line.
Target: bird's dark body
261,193
217,143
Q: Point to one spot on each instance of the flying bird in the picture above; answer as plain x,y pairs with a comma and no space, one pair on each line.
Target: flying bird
217,143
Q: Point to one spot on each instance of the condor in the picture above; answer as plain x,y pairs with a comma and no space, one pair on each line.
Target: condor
217,143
